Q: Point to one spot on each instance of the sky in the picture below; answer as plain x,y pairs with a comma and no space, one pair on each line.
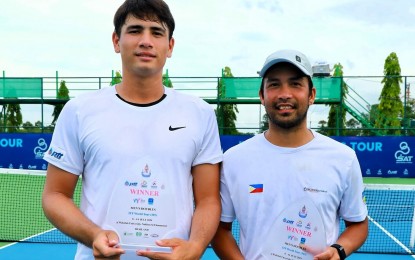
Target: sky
40,37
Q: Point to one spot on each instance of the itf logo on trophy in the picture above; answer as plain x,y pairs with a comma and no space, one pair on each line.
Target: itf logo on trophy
297,233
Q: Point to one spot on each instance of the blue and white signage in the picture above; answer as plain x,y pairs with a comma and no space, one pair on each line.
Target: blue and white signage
24,151
387,156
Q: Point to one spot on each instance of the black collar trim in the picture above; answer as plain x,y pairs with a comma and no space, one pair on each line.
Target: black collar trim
143,105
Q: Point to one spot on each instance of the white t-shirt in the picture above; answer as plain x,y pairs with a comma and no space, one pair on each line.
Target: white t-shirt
102,138
324,170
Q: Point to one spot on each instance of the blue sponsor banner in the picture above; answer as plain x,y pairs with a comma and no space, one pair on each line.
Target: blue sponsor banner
227,141
388,156
24,151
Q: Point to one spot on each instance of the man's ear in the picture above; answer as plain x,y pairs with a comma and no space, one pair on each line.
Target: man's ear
312,96
171,46
115,42
261,97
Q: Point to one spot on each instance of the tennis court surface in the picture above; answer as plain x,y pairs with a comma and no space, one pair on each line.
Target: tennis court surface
26,234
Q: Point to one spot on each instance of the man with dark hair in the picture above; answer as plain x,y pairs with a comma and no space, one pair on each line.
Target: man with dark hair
263,176
148,155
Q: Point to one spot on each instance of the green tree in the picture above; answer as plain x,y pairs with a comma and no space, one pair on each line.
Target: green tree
166,80
409,120
322,128
353,127
117,79
337,115
264,123
14,118
226,113
28,127
371,118
38,124
390,106
3,118
63,94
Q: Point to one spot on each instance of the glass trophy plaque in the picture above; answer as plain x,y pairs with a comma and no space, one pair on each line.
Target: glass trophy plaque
142,209
297,233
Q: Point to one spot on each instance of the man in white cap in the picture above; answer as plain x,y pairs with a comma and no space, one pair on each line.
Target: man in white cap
263,176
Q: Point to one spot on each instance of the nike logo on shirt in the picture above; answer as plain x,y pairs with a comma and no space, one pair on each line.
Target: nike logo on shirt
176,128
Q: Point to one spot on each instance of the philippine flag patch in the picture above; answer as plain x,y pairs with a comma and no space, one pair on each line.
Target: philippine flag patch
256,188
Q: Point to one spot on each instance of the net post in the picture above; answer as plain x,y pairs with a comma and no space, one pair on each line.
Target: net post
412,237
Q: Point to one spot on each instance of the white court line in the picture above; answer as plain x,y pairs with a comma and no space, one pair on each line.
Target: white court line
391,236
50,230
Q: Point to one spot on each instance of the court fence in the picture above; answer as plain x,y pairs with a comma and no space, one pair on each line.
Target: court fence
38,96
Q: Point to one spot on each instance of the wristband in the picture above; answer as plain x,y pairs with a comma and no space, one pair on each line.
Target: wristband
340,251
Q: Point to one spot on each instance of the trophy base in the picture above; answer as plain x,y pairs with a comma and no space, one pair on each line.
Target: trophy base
151,248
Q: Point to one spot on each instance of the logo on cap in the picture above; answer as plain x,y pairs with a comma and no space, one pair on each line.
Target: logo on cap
298,58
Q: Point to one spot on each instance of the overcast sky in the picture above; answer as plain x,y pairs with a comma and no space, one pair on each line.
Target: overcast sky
40,37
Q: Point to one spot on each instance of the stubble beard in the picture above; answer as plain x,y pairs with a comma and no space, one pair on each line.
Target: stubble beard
287,124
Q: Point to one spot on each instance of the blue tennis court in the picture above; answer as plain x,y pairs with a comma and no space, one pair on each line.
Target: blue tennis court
42,251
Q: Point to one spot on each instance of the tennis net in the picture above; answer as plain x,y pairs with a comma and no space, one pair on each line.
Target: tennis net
22,218
390,206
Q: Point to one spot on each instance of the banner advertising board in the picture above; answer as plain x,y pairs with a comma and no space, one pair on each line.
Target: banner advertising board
24,151
387,156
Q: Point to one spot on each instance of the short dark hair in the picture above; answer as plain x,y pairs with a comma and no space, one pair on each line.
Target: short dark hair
310,81
152,10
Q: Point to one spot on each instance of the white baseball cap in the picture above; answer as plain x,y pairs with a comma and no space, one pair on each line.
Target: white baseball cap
292,56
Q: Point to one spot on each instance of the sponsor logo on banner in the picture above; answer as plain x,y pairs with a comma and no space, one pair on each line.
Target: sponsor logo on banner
11,142
40,149
401,155
366,146
26,151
